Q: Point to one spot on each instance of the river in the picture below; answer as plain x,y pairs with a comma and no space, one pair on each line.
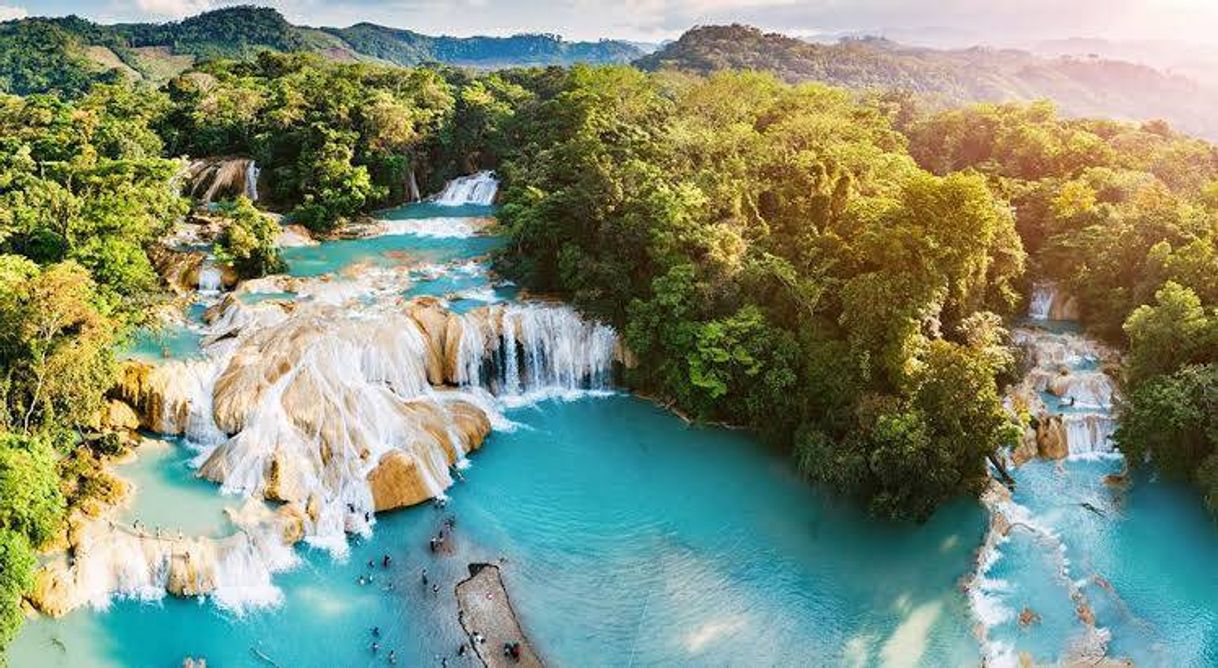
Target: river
628,537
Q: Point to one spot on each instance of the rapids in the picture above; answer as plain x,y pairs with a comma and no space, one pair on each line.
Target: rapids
1075,566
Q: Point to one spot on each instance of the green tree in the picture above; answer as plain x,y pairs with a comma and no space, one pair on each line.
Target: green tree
248,241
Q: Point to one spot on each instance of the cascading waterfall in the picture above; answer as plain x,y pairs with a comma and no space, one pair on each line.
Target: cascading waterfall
1067,398
1089,434
479,188
251,180
519,352
339,405
1041,303
210,279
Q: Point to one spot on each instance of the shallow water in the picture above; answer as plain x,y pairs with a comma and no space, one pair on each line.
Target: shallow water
629,537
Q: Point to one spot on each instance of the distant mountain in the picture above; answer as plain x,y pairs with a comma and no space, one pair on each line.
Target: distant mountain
405,47
1196,61
39,54
1079,86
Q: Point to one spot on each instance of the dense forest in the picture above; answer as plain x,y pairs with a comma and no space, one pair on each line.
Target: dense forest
833,269
949,78
42,54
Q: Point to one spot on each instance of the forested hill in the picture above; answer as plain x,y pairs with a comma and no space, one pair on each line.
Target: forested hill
1079,87
67,54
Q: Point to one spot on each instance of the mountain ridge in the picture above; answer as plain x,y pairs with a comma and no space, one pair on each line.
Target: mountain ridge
1080,87
67,53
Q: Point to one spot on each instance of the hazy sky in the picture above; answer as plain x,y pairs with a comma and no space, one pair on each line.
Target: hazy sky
958,21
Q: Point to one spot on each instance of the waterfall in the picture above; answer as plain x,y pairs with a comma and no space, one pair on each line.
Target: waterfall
525,350
251,180
210,279
479,188
1089,434
436,228
1041,304
412,187
198,377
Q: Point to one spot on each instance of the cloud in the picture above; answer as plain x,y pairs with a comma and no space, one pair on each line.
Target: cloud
8,13
173,8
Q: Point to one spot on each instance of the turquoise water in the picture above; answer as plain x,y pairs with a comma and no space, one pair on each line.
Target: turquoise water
630,538
623,531
168,496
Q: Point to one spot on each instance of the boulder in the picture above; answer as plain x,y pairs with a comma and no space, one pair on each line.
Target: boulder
178,268
1064,307
292,518
190,573
1060,384
1051,440
294,236
470,424
396,482
120,416
1027,448
145,387
284,480
53,594
432,319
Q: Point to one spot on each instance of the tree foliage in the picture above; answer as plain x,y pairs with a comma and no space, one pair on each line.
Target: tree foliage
776,259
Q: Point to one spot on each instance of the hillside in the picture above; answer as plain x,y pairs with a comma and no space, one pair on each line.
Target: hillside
1080,87
40,54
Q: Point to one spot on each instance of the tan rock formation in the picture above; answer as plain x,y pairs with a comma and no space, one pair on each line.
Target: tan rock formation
294,236
179,269
211,179
432,319
53,594
397,482
1026,449
144,387
1064,307
119,415
1051,440
191,571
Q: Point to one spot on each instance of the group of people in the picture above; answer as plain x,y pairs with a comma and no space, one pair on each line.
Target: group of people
437,541
376,645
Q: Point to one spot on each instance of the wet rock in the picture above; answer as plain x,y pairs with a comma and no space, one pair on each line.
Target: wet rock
213,179
190,573
1051,439
179,269
294,236
53,594
396,482
1026,449
292,520
1028,617
432,319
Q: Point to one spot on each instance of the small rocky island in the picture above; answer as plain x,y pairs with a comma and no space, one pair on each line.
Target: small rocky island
490,622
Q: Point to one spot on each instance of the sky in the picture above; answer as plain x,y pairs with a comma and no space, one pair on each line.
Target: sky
943,22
